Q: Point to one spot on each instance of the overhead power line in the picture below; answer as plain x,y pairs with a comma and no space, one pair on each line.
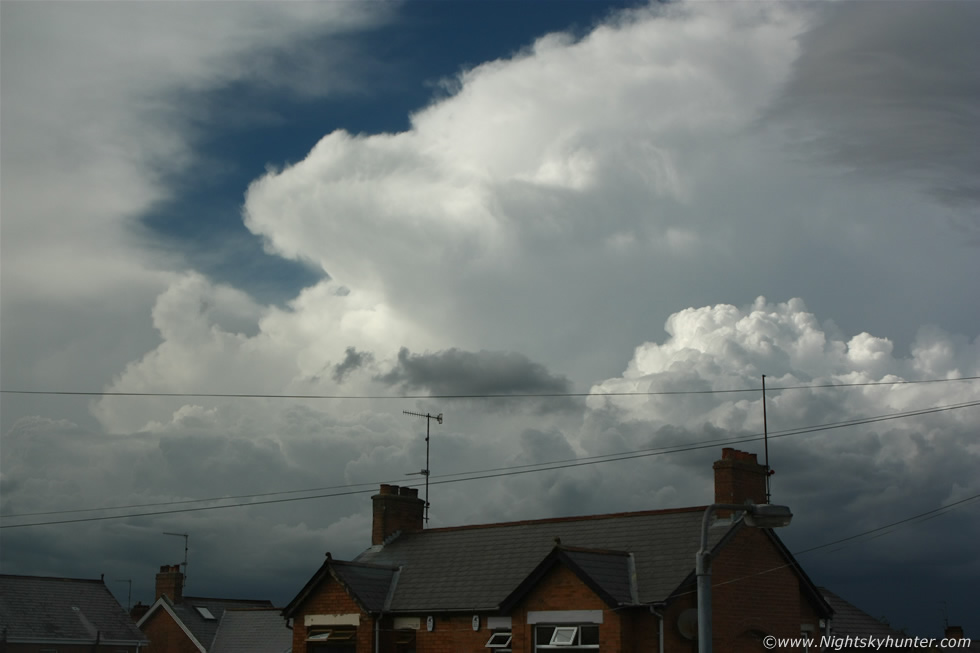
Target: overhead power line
487,474
923,516
609,457
529,395
852,539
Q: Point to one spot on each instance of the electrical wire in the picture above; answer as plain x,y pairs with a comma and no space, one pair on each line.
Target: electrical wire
844,541
929,514
597,458
500,472
533,395
636,453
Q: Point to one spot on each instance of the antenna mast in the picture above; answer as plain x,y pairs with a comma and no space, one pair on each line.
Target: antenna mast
129,596
184,563
765,439
425,472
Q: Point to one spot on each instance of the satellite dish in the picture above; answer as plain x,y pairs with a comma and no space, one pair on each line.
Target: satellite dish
687,623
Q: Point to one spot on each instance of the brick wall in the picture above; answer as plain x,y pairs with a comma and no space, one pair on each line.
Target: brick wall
453,633
331,598
561,589
166,635
755,593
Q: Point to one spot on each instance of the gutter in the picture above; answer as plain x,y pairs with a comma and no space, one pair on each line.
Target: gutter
74,642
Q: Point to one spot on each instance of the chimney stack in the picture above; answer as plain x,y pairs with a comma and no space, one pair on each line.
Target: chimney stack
170,582
954,632
396,509
739,478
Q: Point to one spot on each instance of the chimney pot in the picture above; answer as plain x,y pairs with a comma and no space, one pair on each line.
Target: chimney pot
396,509
954,632
739,478
170,582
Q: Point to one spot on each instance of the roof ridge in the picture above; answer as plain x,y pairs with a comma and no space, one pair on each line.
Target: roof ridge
556,520
587,549
58,578
370,565
215,598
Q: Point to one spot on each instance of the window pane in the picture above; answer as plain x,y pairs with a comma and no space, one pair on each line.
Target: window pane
564,636
589,635
542,634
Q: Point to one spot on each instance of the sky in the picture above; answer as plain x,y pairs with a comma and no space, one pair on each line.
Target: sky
580,230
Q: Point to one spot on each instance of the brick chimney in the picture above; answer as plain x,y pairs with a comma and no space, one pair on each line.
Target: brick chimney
739,478
396,509
170,582
954,632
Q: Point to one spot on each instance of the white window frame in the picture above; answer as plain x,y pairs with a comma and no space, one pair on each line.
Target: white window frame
564,637
339,635
205,613
502,646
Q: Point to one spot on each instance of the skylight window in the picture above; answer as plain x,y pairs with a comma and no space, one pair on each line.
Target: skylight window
204,612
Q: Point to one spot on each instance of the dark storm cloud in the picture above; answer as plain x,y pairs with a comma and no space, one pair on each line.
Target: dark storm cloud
353,360
894,92
456,372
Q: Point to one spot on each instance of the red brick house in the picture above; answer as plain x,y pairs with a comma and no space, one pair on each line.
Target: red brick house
192,624
619,582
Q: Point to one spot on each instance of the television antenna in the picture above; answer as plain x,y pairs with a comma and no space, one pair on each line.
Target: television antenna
129,596
184,563
425,472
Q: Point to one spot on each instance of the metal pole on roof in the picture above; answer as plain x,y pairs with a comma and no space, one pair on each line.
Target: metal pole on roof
765,439
185,536
129,595
425,472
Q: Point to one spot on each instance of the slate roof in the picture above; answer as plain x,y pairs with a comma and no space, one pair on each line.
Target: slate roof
60,610
610,574
479,567
202,628
610,571
851,620
252,631
370,585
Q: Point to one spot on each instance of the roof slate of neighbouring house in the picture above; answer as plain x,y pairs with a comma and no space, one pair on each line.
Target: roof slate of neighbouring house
478,567
608,573
52,609
369,584
202,628
609,570
252,631
851,620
